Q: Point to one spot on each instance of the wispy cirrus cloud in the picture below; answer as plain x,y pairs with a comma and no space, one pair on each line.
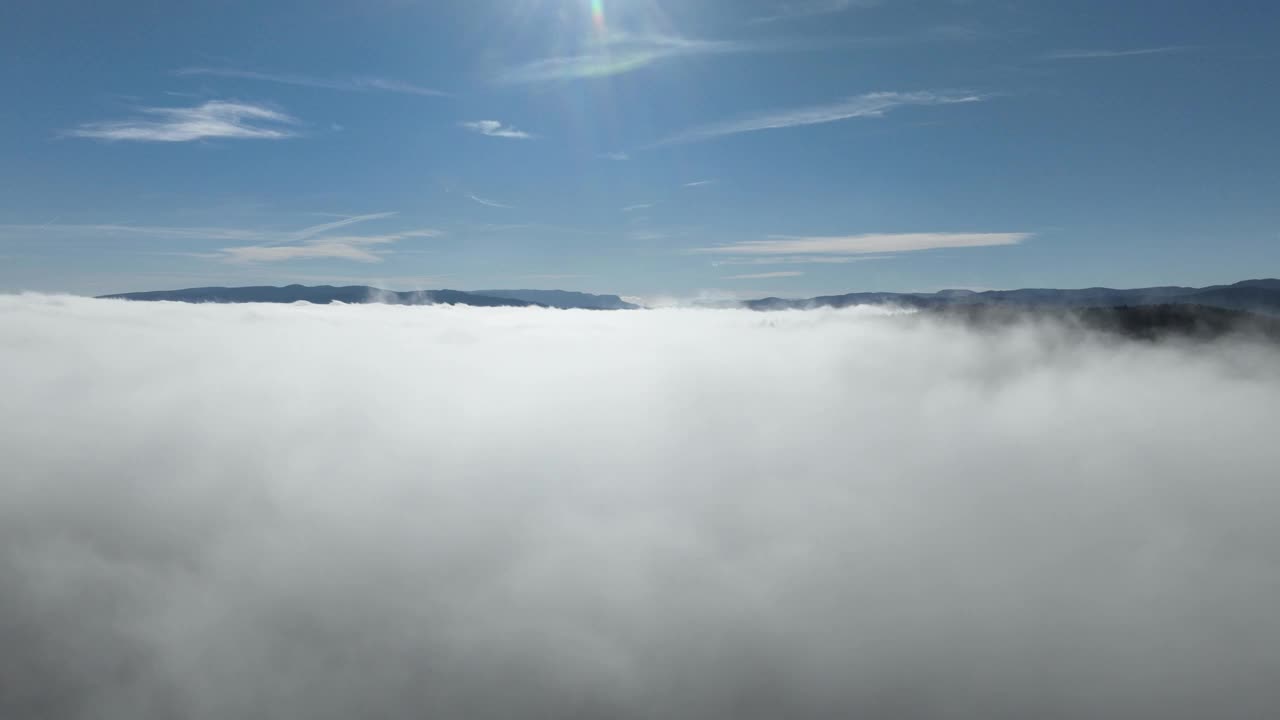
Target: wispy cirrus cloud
637,206
620,53
699,183
213,119
1106,54
253,245
555,276
112,231
493,128
812,8
799,260
268,236
312,243
869,105
866,244
766,275
489,203
314,230
358,248
616,156
355,83
647,235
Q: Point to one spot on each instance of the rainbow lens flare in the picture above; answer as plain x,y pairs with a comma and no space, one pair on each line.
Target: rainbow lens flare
597,14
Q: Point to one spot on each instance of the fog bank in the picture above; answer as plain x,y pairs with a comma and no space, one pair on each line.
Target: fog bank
333,512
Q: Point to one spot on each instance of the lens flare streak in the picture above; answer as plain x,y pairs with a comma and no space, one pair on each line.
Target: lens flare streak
597,15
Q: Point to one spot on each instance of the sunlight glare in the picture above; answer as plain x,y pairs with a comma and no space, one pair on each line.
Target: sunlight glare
597,15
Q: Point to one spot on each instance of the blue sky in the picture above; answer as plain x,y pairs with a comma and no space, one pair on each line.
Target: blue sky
647,148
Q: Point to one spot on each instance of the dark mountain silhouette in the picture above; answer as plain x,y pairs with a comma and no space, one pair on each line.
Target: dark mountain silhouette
1258,296
1139,322
321,295
1253,296
563,299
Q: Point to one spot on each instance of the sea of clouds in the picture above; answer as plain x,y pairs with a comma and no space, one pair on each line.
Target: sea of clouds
336,512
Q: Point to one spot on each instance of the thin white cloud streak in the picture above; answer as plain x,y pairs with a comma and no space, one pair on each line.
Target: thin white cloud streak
555,276
1106,54
864,244
314,230
647,235
615,156
699,183
265,245
870,105
359,511
490,203
326,249
211,120
813,8
197,233
493,128
638,206
799,260
766,275
620,53
357,248
346,84
150,231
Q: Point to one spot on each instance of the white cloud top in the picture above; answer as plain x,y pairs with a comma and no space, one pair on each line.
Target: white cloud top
372,511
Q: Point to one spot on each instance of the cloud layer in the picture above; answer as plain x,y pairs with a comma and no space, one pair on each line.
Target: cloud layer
369,511
213,119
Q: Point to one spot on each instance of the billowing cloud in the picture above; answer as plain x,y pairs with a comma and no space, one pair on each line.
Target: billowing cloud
870,105
213,119
871,243
493,128
344,512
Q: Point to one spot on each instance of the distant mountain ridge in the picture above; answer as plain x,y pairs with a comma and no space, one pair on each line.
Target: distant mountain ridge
564,299
363,294
1136,322
320,295
1259,296
1256,296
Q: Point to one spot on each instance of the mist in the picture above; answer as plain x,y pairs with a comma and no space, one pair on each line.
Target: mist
261,511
